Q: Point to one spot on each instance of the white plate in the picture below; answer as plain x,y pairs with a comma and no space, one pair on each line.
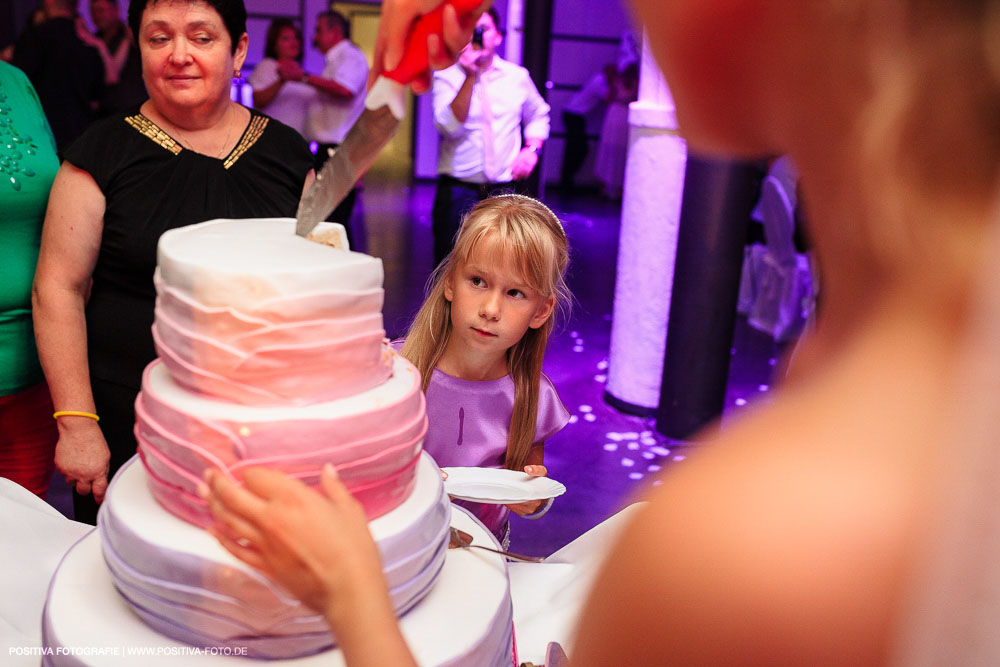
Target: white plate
499,486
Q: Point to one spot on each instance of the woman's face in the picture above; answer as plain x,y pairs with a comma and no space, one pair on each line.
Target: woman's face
288,44
187,58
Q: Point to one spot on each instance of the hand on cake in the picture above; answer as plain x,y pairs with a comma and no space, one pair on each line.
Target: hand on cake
313,545
531,506
317,547
82,456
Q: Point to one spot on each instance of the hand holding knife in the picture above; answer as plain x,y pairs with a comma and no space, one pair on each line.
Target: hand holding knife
384,109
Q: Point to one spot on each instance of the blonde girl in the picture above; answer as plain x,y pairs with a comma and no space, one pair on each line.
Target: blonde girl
479,340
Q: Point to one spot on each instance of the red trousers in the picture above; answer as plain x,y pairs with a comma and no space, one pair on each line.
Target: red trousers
28,437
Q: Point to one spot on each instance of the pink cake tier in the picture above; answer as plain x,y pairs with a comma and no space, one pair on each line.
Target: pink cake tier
373,439
179,580
250,312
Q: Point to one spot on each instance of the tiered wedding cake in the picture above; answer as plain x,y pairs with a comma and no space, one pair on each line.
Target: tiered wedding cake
272,353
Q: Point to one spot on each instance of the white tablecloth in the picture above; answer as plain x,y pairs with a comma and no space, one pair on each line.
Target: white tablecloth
34,537
547,597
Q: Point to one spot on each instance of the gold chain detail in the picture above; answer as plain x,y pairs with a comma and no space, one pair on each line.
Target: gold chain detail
151,130
257,125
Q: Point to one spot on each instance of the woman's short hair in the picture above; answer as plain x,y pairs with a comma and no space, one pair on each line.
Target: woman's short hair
232,12
274,32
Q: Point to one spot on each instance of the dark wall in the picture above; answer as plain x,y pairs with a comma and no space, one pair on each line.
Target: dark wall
13,18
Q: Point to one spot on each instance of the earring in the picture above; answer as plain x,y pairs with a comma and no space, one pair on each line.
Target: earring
238,74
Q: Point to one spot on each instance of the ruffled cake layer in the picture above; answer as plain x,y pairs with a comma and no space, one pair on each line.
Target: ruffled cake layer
465,618
249,312
373,439
181,582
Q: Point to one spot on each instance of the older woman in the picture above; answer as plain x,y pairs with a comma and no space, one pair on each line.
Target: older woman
185,155
277,88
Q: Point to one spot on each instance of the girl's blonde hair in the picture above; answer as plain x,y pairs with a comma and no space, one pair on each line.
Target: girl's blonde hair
522,233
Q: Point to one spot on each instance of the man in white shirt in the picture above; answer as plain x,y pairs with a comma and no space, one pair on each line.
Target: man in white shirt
340,96
481,106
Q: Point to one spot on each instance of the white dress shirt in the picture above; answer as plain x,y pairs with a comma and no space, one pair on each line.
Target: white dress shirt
329,116
290,104
514,102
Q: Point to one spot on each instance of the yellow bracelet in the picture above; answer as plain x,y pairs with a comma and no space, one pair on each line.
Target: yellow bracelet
75,413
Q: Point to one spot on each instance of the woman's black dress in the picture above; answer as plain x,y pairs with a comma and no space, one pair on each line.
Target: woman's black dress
152,184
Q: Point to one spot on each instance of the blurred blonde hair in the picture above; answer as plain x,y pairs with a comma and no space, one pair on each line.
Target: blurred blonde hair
522,233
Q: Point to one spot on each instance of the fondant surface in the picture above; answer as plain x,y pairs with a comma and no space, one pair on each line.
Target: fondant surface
178,578
373,438
272,354
250,312
463,620
239,263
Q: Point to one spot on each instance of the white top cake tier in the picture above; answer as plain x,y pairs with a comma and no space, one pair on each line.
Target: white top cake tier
239,263
249,312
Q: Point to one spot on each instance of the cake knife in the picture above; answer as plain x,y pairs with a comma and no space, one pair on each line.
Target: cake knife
384,109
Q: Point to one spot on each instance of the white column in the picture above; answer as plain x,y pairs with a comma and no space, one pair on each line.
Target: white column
514,36
651,209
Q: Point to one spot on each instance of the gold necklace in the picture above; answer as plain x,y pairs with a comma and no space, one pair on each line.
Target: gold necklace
188,144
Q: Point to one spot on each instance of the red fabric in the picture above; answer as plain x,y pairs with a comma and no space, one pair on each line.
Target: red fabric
28,437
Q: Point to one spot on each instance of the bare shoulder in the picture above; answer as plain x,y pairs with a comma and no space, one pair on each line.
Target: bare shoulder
74,193
74,223
777,544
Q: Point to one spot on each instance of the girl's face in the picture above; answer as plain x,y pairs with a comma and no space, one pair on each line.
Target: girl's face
187,58
492,306
288,44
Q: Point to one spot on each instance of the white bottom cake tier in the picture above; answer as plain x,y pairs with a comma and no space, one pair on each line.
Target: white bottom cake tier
465,619
145,575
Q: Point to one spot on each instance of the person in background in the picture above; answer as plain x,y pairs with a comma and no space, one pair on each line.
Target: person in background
612,149
187,155
628,51
276,80
67,74
123,88
115,43
479,340
593,95
339,100
27,431
482,106
34,18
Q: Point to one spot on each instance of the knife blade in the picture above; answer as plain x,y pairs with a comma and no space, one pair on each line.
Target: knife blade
555,656
384,110
368,136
